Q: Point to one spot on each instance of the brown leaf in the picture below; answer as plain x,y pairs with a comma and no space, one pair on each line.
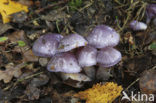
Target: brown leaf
54,16
11,71
147,82
17,35
29,56
4,28
26,2
32,92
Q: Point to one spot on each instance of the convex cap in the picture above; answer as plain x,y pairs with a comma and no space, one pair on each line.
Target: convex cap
108,57
46,45
103,36
71,41
64,62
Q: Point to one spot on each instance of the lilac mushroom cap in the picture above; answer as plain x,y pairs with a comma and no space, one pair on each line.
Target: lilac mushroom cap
103,36
87,56
70,42
46,45
136,25
108,57
63,62
150,12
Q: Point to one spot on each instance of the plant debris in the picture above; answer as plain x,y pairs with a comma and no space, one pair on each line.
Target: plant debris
11,71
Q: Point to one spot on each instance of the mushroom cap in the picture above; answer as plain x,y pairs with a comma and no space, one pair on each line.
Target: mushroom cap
108,57
136,25
150,12
46,45
87,56
103,36
71,42
63,62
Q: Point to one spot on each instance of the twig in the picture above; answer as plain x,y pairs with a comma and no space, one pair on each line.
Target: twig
132,84
50,6
86,6
136,80
20,80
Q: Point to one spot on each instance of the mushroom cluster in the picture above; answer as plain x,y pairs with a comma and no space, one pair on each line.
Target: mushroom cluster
150,12
96,48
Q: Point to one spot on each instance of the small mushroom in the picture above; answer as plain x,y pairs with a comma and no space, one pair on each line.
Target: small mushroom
108,57
136,25
103,36
46,45
150,12
87,56
71,42
63,62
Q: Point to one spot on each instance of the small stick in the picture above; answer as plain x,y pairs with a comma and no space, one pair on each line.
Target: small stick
20,80
137,80
50,6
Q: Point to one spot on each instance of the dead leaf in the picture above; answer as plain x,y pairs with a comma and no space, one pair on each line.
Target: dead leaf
32,92
19,17
26,2
147,82
11,71
8,7
56,97
17,35
29,56
40,80
54,16
4,28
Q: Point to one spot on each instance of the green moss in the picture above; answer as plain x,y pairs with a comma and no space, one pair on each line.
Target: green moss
75,4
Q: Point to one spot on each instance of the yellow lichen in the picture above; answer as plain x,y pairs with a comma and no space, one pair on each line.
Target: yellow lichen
99,93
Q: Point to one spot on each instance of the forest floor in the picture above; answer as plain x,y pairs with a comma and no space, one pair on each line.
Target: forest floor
24,77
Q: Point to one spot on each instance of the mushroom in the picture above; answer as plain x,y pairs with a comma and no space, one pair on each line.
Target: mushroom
108,57
150,12
46,45
87,56
103,36
136,25
70,42
63,62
